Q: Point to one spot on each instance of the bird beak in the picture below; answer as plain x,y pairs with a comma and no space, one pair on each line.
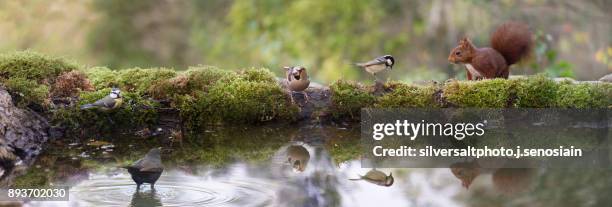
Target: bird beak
296,72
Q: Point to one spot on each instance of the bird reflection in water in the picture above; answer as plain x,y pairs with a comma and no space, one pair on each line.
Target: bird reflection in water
145,199
298,157
377,177
311,180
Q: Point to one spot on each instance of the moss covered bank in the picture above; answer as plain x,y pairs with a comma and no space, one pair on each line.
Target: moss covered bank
191,99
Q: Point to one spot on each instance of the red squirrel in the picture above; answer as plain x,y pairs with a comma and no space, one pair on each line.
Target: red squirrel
510,43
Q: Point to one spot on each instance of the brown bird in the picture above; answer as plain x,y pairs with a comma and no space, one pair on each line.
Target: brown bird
298,157
377,177
148,169
297,80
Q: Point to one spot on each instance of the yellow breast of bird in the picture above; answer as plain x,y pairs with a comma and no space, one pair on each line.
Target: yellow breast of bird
118,103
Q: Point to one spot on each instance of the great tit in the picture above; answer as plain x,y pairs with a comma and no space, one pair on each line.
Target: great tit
112,101
148,169
379,64
297,79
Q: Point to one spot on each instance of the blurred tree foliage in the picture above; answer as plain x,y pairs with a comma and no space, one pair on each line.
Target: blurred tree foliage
140,33
323,34
573,37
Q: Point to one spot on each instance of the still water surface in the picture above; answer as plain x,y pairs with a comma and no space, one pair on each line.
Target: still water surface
281,166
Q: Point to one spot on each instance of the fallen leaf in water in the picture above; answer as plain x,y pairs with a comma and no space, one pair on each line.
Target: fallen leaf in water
97,143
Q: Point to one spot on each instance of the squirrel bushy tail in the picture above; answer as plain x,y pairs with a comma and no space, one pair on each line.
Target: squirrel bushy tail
513,41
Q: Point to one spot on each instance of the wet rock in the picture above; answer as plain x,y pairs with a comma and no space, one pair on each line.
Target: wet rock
606,78
56,132
314,104
22,134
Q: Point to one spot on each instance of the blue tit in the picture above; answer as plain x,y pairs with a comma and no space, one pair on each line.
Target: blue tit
112,101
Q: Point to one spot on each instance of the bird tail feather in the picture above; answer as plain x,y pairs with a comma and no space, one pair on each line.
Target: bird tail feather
87,106
355,179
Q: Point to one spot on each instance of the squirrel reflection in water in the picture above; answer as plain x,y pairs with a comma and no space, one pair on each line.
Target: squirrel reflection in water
505,180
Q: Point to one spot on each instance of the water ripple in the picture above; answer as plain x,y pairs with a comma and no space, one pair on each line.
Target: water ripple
173,189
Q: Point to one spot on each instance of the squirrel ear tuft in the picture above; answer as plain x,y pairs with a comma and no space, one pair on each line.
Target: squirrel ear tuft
466,42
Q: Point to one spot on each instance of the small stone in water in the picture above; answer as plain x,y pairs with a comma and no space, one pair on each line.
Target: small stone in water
107,146
84,155
98,143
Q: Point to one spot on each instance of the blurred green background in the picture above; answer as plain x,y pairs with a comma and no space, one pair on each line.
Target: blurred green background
573,38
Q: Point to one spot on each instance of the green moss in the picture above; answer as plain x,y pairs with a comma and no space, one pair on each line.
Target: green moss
258,75
28,91
139,80
584,95
92,96
202,78
29,75
33,178
169,88
246,101
348,98
535,92
136,111
33,66
190,82
102,77
207,95
247,97
250,144
493,93
345,149
404,95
